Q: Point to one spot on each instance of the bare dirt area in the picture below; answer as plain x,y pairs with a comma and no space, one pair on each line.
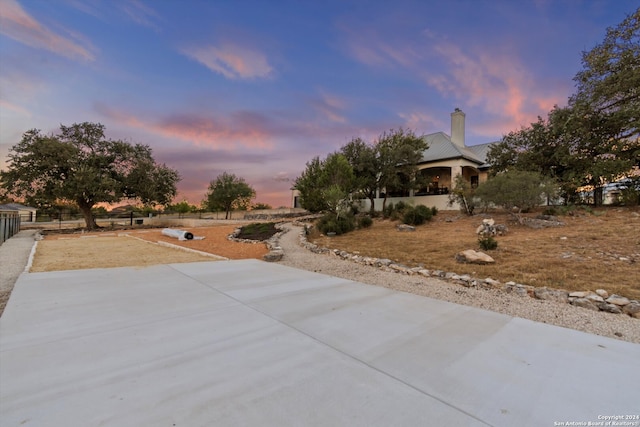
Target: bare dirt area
597,249
74,251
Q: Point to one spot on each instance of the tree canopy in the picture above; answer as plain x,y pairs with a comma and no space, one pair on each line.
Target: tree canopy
359,169
595,138
399,152
514,190
228,192
325,184
81,166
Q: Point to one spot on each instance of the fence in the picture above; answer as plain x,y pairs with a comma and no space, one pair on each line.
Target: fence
9,224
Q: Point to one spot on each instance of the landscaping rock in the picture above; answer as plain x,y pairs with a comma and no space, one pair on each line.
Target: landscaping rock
618,300
604,294
405,227
609,308
474,257
632,309
580,294
273,255
551,294
585,303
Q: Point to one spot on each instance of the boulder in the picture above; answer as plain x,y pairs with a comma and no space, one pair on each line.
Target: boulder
602,293
585,303
474,257
618,300
580,294
632,309
551,294
405,227
609,308
274,255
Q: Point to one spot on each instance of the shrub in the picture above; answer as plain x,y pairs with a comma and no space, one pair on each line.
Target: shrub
330,223
364,222
388,210
417,216
487,243
401,207
434,211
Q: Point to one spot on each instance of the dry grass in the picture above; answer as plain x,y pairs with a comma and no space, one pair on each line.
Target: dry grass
584,254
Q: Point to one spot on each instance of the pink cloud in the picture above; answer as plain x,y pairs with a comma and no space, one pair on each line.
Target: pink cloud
331,107
239,129
6,105
232,61
140,13
17,24
498,83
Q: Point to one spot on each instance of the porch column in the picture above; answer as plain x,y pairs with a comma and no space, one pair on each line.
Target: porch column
455,171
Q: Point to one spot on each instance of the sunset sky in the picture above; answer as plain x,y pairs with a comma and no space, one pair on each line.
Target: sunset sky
258,88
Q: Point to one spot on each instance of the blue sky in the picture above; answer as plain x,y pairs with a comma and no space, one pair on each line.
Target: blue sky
258,88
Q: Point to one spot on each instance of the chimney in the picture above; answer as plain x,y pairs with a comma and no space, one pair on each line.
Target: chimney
457,127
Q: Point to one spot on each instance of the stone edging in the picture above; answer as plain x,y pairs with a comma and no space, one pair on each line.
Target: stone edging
273,243
600,300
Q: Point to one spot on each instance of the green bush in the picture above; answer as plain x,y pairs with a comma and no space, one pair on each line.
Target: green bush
417,216
401,207
487,243
329,223
364,222
388,210
434,211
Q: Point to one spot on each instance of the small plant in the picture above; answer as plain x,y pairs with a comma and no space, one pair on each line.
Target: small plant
331,223
487,243
417,216
434,211
364,222
388,210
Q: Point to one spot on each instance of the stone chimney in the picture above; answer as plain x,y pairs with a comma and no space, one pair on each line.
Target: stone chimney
457,127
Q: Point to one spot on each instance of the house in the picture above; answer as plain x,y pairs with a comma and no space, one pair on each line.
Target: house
446,157
27,214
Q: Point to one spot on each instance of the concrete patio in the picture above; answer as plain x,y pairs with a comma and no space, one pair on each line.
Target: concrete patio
249,343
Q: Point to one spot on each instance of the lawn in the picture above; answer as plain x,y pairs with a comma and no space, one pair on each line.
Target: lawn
594,249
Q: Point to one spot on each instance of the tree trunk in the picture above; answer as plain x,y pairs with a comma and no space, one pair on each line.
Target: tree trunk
226,216
372,209
598,196
89,220
384,206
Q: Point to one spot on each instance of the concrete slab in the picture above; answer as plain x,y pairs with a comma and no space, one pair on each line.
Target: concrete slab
255,343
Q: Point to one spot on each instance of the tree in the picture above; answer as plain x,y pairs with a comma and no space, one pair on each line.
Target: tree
181,208
81,166
398,153
364,162
463,194
229,192
514,190
307,184
325,185
609,83
595,139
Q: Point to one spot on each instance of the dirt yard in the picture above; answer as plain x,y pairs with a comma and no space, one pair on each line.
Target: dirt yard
137,248
594,249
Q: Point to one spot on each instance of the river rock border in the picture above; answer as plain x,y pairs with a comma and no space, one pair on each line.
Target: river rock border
600,300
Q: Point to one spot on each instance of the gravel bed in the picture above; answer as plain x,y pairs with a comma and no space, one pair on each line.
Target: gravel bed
616,326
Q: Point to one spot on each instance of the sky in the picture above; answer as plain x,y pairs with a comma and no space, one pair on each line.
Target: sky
257,88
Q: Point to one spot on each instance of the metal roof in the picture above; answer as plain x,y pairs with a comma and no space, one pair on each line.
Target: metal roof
442,148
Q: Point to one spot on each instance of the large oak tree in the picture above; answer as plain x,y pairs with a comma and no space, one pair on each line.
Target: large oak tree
79,165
